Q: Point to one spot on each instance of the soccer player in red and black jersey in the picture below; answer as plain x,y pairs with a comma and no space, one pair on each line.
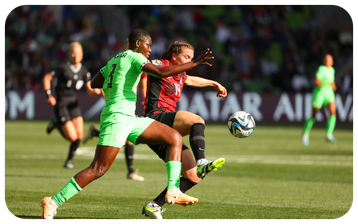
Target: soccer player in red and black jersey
160,104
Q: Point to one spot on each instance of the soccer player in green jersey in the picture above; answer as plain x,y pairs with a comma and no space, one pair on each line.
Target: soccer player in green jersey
119,80
323,95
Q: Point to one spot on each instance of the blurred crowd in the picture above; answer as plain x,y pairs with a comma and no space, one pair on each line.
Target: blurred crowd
269,49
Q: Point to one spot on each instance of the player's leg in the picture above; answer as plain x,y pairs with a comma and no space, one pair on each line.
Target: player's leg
317,103
115,129
104,157
331,122
189,179
91,132
189,123
74,132
71,134
157,133
60,111
308,126
128,153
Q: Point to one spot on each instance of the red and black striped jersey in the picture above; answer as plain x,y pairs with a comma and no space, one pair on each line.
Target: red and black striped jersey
163,94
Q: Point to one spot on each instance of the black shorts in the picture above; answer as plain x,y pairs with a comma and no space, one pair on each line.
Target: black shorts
66,111
168,119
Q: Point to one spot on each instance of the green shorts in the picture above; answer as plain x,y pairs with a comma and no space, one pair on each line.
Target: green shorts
322,96
116,128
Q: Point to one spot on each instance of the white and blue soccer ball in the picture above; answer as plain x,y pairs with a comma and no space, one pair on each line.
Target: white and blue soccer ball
241,124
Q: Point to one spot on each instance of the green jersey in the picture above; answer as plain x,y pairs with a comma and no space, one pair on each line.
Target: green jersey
323,94
121,78
326,75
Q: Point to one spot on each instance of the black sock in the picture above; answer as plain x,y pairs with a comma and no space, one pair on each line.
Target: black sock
185,185
95,133
73,147
197,140
128,152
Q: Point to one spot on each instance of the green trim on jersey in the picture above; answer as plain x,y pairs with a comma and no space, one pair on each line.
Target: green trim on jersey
121,78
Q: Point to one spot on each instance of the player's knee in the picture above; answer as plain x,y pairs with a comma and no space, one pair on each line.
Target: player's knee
176,139
196,119
200,120
73,138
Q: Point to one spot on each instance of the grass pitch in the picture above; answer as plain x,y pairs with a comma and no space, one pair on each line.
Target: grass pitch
269,175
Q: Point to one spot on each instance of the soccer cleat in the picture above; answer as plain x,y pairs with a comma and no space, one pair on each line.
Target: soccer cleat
51,125
331,138
135,176
205,166
48,208
68,164
153,210
175,196
88,135
305,139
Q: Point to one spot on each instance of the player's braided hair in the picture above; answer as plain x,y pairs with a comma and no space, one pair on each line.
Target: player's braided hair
137,34
177,48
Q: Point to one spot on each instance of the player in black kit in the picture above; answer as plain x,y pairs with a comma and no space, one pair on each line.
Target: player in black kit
68,118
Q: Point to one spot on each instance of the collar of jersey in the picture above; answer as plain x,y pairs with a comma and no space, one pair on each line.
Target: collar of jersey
75,70
136,53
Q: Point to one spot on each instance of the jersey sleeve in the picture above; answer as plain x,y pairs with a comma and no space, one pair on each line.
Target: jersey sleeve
103,70
139,60
56,72
320,73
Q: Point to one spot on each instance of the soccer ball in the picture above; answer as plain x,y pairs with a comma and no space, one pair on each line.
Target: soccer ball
241,124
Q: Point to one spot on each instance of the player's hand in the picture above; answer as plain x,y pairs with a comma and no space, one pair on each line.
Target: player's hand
203,59
97,91
51,100
334,87
221,90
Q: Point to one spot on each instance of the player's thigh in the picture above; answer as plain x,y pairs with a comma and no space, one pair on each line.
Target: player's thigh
159,134
104,156
331,106
184,120
330,101
188,169
78,123
318,100
69,130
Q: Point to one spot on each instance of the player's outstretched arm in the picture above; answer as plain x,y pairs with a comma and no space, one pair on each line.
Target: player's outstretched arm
163,72
195,81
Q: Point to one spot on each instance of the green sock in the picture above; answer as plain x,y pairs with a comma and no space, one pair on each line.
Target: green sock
173,170
331,123
69,190
308,125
